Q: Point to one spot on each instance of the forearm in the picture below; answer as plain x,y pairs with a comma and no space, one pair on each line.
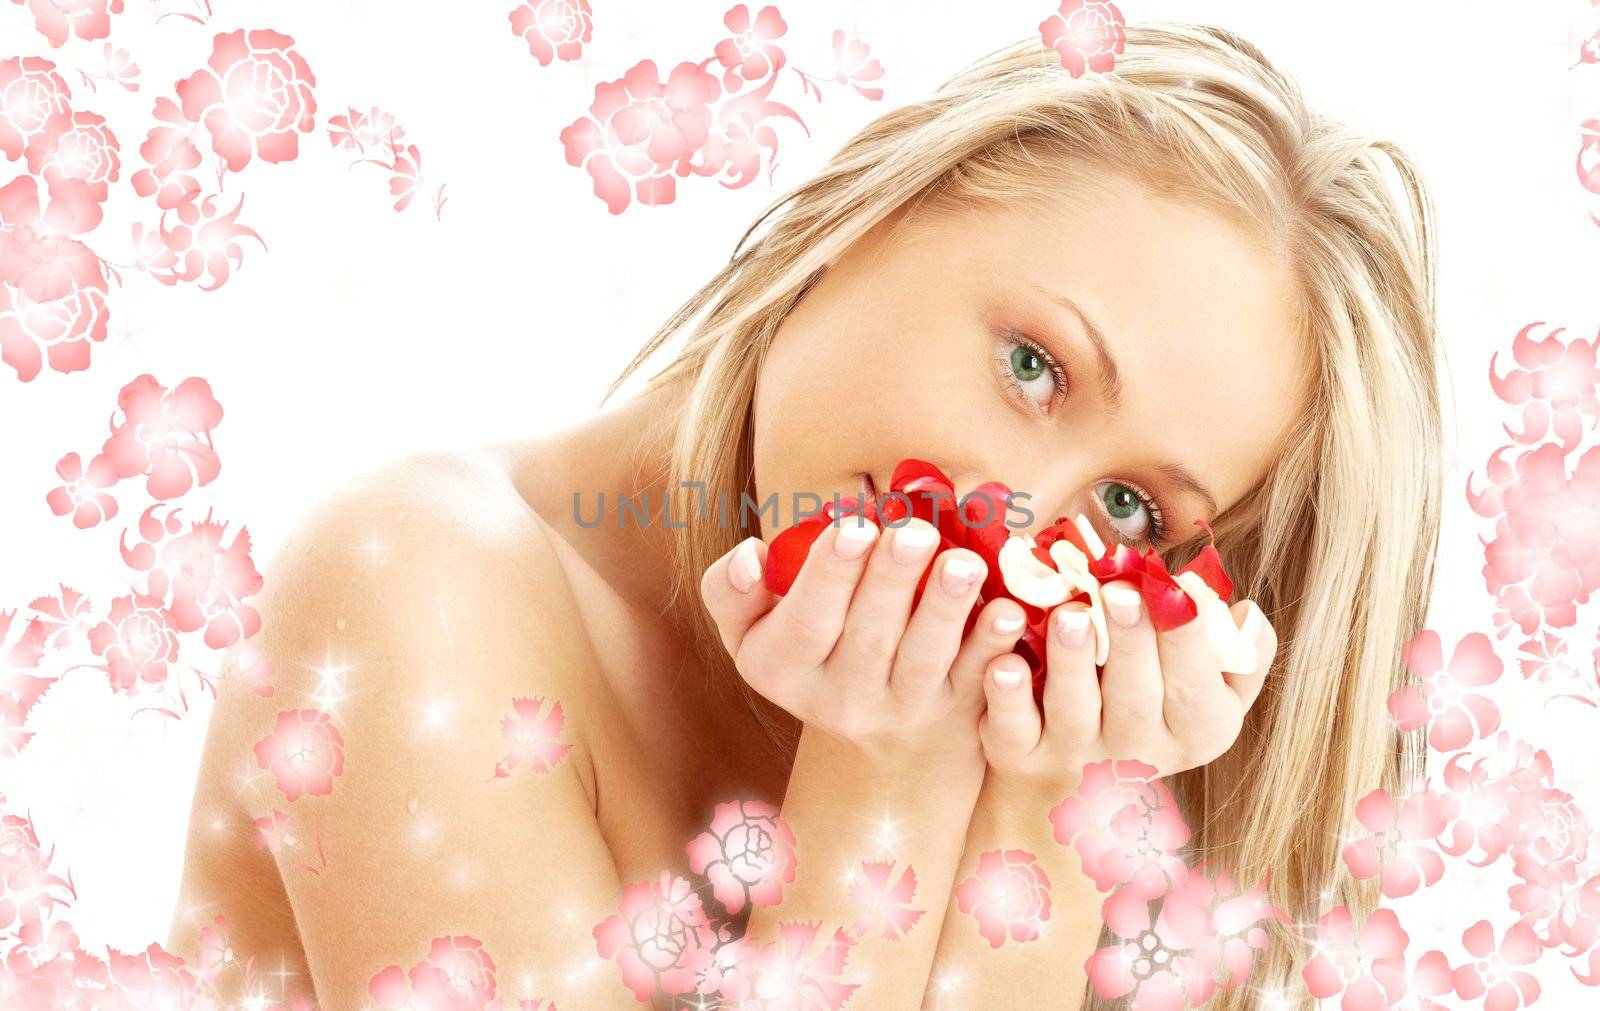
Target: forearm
844,814
1046,971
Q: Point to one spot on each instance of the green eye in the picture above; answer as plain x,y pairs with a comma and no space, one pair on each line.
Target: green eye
1025,364
1123,501
1021,362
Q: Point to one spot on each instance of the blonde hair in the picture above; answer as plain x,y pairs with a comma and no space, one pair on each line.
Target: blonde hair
1337,541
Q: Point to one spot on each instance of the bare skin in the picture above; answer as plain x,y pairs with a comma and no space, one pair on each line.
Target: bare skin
491,590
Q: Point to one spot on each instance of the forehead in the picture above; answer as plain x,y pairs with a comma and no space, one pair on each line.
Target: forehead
1199,313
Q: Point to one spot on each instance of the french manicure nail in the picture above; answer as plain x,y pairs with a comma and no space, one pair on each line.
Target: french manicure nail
1072,627
745,569
959,574
851,540
1123,604
1007,626
1007,676
913,543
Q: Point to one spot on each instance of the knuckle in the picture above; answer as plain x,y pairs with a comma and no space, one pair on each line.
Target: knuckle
810,626
872,640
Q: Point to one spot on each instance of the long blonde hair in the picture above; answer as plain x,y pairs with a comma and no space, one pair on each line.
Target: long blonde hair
1336,543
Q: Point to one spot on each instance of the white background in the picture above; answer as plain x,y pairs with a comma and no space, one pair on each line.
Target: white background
360,334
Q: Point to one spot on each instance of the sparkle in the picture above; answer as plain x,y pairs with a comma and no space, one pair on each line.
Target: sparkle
330,690
886,835
435,714
374,548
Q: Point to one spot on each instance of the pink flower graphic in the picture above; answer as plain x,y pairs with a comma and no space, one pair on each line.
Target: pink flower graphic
748,854
640,131
304,752
76,149
1492,974
161,435
137,640
56,20
170,151
32,97
52,287
749,56
1368,968
1125,825
1454,716
789,974
1556,386
553,29
660,937
254,97
880,904
534,739
206,245
1399,845
1086,34
1009,894
456,974
82,495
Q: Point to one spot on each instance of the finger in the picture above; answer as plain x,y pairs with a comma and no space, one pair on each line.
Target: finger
1130,686
1071,689
805,624
1201,710
996,631
734,593
1253,624
932,639
1011,725
878,612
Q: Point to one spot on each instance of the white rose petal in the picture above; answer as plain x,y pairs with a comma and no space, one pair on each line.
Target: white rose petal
1029,579
1236,654
1074,565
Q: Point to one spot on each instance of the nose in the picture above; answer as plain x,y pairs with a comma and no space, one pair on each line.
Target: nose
1041,494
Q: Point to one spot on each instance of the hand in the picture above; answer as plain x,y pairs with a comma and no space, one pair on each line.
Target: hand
843,651
1162,697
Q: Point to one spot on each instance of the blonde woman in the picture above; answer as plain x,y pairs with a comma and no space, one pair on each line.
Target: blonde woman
1150,297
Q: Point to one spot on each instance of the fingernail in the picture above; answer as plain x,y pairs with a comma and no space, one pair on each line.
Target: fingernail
746,566
1072,627
1007,677
913,543
851,540
959,574
1123,604
1251,626
1006,626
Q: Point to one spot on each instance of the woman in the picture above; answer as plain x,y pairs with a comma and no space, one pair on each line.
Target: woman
1151,297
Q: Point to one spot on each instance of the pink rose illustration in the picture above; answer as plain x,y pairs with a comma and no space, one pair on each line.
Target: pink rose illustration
137,641
57,20
52,287
640,131
32,94
553,29
660,937
76,149
748,853
1009,894
304,752
1086,34
254,96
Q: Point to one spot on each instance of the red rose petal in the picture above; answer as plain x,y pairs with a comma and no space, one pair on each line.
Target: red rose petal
1208,564
1170,605
788,551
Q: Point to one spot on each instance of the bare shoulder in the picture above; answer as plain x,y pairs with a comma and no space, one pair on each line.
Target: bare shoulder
422,640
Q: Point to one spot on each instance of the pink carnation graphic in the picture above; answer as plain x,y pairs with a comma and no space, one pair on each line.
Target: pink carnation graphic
57,20
22,645
1440,699
1009,895
1399,846
52,287
553,29
255,97
203,581
748,854
659,938
796,972
1125,825
304,752
1086,34
883,906
33,97
535,739
376,134
83,495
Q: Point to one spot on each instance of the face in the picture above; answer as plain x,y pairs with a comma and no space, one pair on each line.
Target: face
1089,351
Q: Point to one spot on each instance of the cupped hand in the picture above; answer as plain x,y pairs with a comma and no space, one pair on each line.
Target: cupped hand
845,651
1161,697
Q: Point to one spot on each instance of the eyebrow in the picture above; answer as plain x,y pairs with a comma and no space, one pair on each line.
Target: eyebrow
1111,388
